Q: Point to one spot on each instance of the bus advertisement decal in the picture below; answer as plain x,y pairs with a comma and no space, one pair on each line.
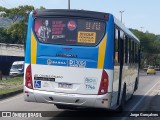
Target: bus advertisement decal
69,63
58,36
86,37
44,79
72,25
90,83
77,63
57,62
58,27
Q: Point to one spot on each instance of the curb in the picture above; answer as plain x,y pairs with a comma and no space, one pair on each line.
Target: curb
2,96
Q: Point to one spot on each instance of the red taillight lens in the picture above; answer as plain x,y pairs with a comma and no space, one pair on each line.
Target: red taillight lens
28,78
104,84
106,16
34,12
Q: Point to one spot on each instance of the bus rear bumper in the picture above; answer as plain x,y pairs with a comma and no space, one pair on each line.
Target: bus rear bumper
75,100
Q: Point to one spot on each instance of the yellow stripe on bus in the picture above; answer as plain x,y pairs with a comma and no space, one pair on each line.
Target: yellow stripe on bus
101,53
33,49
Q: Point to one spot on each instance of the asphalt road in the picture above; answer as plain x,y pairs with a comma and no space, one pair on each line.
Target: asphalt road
139,102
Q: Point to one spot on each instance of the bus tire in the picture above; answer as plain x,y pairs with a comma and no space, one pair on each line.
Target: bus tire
123,99
62,107
136,85
59,106
66,107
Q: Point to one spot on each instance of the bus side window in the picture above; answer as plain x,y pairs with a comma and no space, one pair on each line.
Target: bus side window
139,54
133,52
121,48
136,54
130,55
116,47
126,49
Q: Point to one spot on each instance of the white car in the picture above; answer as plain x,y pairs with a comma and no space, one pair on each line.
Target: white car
17,68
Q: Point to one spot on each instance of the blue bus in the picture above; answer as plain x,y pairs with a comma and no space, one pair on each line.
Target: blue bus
80,59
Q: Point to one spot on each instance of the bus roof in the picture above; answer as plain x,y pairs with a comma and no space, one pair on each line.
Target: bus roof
126,30
66,12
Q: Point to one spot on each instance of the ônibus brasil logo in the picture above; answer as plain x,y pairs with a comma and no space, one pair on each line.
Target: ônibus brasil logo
71,25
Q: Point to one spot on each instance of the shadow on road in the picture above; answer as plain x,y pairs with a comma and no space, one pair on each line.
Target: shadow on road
85,115
142,107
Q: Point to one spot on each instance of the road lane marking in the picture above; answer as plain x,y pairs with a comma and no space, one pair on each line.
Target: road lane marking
8,100
133,108
144,96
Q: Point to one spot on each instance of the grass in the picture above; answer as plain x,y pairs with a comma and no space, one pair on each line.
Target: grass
11,85
5,91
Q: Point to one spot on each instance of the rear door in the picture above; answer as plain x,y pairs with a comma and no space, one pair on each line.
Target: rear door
67,54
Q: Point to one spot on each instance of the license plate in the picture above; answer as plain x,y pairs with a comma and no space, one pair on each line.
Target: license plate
65,85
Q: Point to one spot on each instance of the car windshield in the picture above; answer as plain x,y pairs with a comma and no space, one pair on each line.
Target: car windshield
20,66
150,67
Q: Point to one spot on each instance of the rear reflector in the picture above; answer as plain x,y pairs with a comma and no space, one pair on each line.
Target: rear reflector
28,78
104,84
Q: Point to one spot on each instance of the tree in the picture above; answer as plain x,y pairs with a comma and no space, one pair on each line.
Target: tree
17,31
42,8
19,18
150,47
17,14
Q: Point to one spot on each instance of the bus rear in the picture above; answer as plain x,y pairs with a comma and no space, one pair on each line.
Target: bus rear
66,58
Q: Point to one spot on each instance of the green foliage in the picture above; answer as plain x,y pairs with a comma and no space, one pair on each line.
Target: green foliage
13,81
150,44
11,85
17,14
42,8
16,33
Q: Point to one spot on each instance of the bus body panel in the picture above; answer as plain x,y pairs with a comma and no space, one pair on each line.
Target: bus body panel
129,77
28,41
76,100
66,79
62,96
73,56
69,97
109,56
77,66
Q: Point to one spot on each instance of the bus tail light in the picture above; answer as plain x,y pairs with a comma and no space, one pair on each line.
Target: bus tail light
34,12
104,84
106,16
28,78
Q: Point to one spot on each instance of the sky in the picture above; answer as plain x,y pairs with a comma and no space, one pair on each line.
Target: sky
143,15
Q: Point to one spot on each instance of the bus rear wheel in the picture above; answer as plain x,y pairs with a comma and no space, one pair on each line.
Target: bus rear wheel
66,107
123,100
136,84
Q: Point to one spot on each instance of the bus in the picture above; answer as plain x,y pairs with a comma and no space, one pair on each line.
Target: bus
80,59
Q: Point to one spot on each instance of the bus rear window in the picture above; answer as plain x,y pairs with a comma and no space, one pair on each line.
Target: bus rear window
68,31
